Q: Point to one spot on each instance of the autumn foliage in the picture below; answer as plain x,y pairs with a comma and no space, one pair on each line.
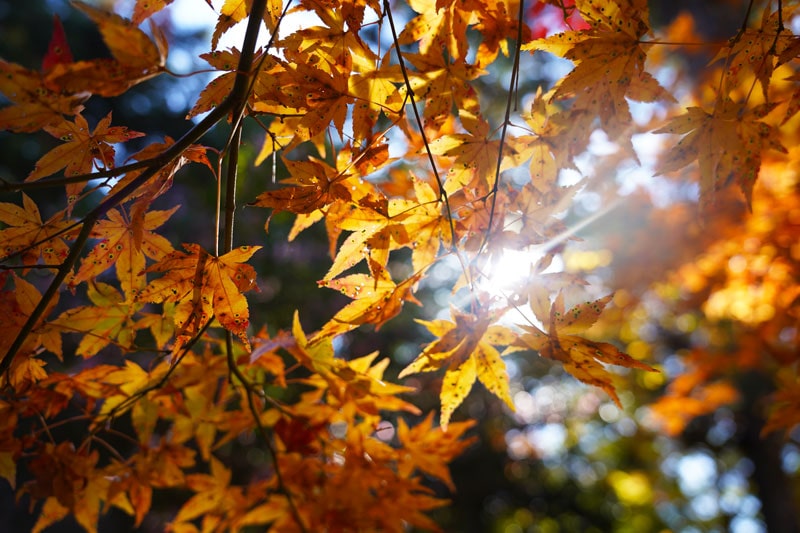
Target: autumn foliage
109,327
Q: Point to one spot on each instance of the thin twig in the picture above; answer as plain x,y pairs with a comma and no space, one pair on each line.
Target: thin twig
506,121
262,432
45,183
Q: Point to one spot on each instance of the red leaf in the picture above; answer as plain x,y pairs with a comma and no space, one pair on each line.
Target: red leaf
58,51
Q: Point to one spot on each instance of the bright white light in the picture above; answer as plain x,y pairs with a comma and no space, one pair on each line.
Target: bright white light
510,270
696,473
548,440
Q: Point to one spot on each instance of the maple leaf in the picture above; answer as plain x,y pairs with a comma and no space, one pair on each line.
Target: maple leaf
204,285
757,52
357,382
69,481
125,381
136,58
265,84
583,358
27,234
542,146
429,450
727,144
231,13
375,91
375,301
210,492
466,348
146,8
119,248
475,155
419,225
33,104
15,308
315,184
86,384
443,84
58,50
324,95
82,148
160,182
498,22
439,25
609,62
337,43
218,88
108,320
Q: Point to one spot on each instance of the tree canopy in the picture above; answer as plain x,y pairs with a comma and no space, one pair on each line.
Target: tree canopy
574,189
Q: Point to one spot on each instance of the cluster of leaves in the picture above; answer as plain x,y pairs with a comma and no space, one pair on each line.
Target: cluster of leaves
195,377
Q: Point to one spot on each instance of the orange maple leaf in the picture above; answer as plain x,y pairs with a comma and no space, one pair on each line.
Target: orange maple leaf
146,8
82,148
375,301
498,22
204,285
33,105
429,450
28,235
135,58
583,358
315,184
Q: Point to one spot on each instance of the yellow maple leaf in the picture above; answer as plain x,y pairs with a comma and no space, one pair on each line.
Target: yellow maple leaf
727,144
108,320
466,348
118,247
609,62
356,382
